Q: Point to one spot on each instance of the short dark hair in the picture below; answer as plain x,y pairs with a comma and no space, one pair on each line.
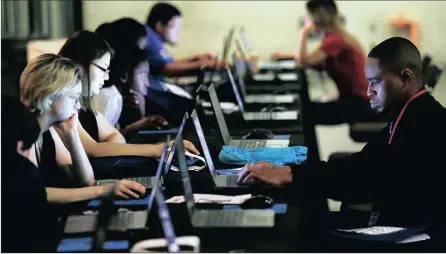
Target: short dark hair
83,47
396,54
123,35
162,12
20,125
329,5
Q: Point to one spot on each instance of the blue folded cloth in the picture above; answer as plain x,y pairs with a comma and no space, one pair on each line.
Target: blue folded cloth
277,156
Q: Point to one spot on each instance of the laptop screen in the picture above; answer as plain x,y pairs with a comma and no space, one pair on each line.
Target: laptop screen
159,170
227,43
188,194
240,72
249,69
204,146
166,222
245,40
172,151
238,98
219,115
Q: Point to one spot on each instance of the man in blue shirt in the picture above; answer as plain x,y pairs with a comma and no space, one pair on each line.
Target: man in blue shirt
164,25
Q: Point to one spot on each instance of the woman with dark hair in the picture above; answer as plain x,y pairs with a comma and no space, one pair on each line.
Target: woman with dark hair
93,54
129,76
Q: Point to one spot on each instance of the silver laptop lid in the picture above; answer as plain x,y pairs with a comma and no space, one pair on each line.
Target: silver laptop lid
249,68
227,43
219,114
238,98
204,145
159,170
245,41
172,150
187,185
240,74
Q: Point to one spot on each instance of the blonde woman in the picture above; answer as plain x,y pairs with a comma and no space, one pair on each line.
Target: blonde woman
51,86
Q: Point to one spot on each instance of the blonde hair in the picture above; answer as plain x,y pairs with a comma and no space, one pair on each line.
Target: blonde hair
45,77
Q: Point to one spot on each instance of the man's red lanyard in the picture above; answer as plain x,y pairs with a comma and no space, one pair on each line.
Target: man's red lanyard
402,112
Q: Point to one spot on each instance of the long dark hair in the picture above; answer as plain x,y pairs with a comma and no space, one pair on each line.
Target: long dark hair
123,36
83,47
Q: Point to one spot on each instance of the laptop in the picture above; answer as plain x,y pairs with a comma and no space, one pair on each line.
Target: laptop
272,65
212,218
259,116
239,143
241,70
120,221
225,181
148,181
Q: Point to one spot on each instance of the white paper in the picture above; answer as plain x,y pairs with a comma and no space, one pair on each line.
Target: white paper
373,230
226,107
287,76
285,98
191,168
290,64
265,64
177,90
263,77
211,198
415,238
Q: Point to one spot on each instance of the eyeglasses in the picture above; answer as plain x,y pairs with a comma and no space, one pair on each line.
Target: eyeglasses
76,99
106,71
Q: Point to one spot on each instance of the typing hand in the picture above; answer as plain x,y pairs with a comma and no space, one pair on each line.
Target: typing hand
266,172
155,121
125,189
207,55
219,65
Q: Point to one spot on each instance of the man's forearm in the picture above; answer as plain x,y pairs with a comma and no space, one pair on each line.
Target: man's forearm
178,68
132,128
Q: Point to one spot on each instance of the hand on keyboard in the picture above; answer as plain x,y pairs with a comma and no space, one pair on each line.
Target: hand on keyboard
124,189
266,172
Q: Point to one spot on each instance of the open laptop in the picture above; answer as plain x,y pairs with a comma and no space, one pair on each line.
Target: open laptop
271,65
225,181
241,68
239,143
148,181
120,221
212,218
259,116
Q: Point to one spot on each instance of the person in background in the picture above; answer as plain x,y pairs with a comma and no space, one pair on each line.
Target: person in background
129,70
164,24
93,54
342,57
400,172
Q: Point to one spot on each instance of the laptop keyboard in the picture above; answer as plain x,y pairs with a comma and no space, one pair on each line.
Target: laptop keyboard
145,181
122,221
217,218
231,180
251,143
